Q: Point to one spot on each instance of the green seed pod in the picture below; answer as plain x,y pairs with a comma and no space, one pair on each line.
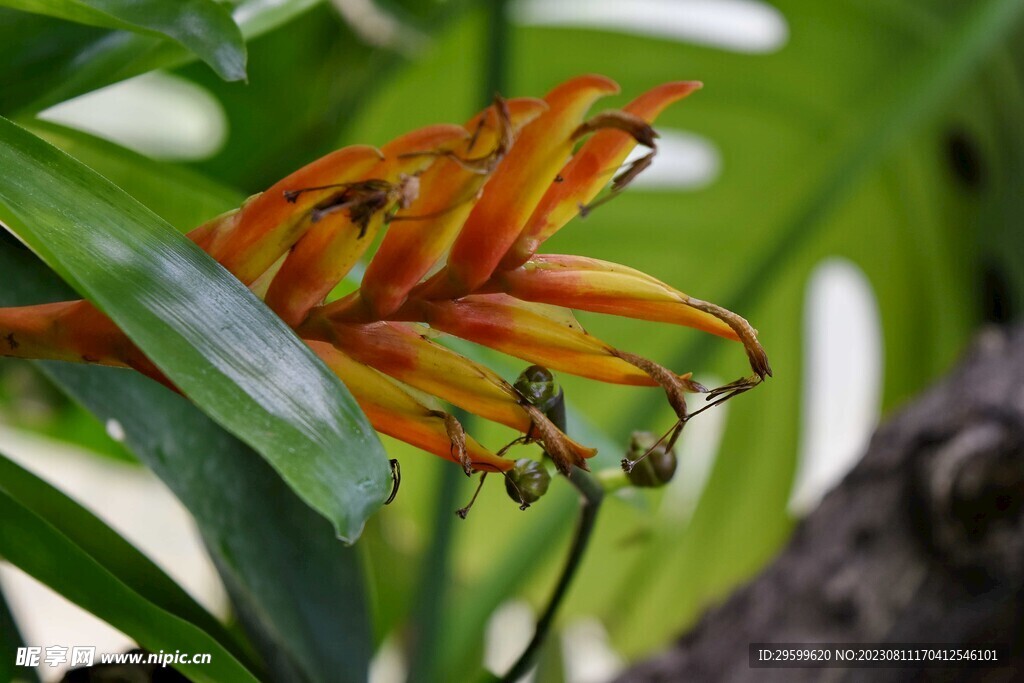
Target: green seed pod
538,386
654,470
527,482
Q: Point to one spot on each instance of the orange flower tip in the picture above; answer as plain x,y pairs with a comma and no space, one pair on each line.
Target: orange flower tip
568,91
524,109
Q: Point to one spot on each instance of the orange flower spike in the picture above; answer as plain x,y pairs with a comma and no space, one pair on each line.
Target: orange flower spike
72,331
448,192
536,333
403,352
598,286
589,171
204,234
350,218
393,411
268,224
519,183
586,284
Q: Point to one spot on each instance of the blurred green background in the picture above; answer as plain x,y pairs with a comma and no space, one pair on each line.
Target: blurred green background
848,180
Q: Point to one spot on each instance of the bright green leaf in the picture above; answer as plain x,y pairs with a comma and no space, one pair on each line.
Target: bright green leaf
200,326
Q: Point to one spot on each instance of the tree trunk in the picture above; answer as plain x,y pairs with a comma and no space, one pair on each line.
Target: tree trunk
923,542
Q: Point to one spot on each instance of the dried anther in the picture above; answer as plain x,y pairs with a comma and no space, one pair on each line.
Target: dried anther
675,387
366,198
396,479
457,435
486,163
635,125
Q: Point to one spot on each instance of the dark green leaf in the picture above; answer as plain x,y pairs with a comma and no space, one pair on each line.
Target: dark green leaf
10,641
52,61
297,591
108,548
203,26
30,543
200,326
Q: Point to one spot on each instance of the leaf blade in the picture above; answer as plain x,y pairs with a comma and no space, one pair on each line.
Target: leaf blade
202,26
40,550
200,326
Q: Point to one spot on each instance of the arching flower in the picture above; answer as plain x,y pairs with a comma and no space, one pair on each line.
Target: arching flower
480,199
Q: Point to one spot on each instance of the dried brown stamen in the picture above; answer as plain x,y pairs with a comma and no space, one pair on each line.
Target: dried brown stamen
463,511
747,334
553,440
674,386
484,164
396,479
635,125
457,436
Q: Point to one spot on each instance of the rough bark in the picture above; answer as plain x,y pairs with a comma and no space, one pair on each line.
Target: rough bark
923,542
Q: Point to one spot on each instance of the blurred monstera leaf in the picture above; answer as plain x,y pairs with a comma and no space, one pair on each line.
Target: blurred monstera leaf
880,133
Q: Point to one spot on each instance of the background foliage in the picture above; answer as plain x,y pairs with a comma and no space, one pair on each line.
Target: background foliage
881,132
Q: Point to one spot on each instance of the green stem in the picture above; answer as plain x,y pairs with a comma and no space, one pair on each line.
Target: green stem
591,494
425,647
496,67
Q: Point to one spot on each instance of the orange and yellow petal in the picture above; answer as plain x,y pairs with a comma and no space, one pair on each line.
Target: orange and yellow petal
520,181
393,411
268,224
420,234
589,170
333,244
587,284
544,335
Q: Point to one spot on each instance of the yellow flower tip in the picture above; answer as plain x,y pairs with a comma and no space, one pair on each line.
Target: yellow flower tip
427,139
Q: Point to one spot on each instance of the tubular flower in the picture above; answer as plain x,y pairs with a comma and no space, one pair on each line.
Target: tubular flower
471,204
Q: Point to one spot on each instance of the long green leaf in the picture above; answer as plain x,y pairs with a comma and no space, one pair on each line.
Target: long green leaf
179,196
108,548
299,595
30,543
202,26
51,61
298,592
201,327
